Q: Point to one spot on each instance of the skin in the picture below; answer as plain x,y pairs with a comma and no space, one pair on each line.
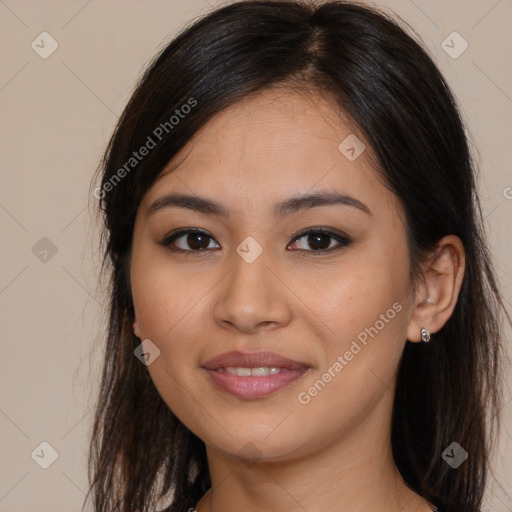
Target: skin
275,453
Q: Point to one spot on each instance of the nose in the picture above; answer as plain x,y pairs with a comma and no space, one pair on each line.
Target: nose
252,296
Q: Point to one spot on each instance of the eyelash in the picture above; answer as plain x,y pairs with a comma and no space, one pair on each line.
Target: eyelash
340,238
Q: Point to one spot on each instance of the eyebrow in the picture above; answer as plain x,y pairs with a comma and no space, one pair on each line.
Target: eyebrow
291,205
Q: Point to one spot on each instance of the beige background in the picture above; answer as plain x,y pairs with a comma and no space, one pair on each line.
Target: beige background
56,116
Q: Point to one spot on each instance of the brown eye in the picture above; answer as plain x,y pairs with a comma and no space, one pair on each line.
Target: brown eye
320,240
315,241
191,240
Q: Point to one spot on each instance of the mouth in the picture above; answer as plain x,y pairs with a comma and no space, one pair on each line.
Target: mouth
251,375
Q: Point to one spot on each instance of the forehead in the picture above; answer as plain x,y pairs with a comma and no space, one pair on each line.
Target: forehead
274,144
276,124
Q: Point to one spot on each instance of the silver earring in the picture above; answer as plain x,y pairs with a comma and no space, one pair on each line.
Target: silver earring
425,335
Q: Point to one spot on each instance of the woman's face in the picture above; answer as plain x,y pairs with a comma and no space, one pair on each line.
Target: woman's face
337,302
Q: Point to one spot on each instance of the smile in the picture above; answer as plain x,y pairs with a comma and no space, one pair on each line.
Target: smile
251,375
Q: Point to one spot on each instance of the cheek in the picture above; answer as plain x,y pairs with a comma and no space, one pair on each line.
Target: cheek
354,295
164,295
363,332
363,309
168,306
171,307
171,321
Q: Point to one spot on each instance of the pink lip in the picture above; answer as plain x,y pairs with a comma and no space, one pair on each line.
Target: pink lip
254,386
239,359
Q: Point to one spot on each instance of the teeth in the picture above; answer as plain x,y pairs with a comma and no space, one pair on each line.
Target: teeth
258,372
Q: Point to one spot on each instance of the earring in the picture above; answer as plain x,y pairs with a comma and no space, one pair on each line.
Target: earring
425,335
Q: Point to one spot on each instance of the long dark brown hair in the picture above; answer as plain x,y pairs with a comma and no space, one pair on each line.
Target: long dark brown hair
449,390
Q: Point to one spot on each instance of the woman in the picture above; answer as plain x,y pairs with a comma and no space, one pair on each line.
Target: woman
303,311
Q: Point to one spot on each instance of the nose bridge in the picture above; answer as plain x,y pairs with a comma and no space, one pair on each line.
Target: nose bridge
251,294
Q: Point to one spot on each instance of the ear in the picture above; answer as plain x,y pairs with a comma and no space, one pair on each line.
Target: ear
438,287
136,328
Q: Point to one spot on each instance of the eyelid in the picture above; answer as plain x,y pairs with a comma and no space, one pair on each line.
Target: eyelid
342,239
335,233
178,233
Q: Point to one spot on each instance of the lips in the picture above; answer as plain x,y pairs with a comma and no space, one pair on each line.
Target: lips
251,375
238,359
